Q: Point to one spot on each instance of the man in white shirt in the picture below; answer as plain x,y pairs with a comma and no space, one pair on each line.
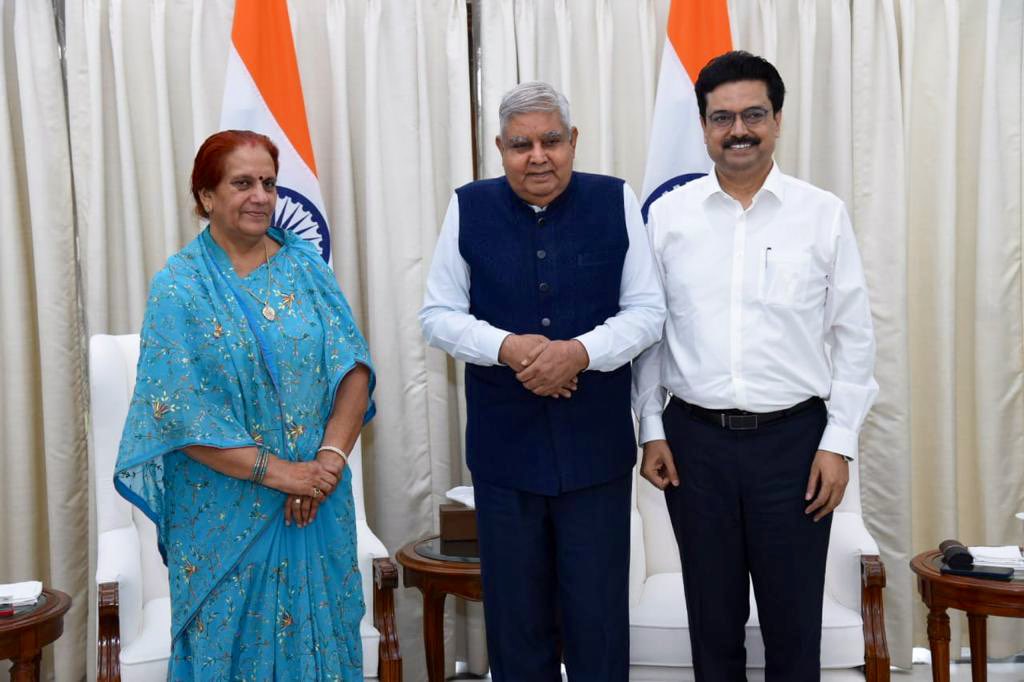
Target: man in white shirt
768,319
543,282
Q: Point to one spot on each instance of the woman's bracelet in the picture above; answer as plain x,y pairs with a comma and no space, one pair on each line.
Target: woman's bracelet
337,451
259,468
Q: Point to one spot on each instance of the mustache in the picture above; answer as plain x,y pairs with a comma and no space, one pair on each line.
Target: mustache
745,139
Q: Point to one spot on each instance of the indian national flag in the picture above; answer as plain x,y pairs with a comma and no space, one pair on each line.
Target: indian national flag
697,31
262,92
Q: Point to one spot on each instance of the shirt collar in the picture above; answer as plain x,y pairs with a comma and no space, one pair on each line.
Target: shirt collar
773,184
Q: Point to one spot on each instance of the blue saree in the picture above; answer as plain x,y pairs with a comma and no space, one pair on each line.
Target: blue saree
251,598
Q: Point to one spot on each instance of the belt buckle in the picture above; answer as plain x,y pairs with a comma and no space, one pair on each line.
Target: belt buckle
741,422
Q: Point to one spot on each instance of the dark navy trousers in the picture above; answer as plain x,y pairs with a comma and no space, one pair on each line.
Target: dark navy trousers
738,517
555,573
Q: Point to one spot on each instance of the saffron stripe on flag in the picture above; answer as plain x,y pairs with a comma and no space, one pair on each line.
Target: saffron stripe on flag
697,31
262,36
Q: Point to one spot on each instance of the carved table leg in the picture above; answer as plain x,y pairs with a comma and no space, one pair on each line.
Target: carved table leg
26,667
433,633
979,647
938,642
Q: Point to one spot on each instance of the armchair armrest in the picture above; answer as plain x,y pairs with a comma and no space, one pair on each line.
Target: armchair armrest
385,580
855,577
849,541
380,578
108,634
119,596
369,544
119,562
876,647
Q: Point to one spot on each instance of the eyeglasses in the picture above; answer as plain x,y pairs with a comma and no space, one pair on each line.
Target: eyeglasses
753,116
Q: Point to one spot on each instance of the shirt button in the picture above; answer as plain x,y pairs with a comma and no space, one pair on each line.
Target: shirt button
545,322
542,254
540,221
544,287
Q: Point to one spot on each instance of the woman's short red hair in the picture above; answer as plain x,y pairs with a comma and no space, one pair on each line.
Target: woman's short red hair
208,168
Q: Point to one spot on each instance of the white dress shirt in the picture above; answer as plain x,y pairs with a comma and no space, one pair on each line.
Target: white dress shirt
447,323
767,307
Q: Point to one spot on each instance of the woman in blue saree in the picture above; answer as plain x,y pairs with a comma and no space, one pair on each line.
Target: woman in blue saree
253,384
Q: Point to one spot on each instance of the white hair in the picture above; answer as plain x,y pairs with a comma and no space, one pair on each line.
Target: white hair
530,97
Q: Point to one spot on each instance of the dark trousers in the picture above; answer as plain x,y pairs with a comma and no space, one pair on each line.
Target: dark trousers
555,574
739,512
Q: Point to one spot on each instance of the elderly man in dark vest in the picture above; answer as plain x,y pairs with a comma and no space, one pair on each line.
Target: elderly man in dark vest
544,284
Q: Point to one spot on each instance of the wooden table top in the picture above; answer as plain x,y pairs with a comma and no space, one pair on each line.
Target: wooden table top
36,628
927,565
412,560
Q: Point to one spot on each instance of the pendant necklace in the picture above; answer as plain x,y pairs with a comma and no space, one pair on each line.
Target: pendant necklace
268,310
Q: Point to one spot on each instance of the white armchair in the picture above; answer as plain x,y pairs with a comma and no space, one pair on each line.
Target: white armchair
134,628
853,628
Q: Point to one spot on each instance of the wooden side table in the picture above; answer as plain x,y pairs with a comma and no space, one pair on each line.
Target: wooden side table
23,635
437,577
978,598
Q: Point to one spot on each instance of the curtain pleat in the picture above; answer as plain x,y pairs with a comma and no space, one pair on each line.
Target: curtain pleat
43,475
879,216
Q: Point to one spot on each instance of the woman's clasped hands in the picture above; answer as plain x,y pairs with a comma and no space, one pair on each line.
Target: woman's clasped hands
308,484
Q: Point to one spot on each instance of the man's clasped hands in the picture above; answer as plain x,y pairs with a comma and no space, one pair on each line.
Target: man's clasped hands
545,367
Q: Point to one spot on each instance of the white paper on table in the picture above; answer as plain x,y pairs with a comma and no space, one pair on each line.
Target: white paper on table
462,494
22,594
1008,555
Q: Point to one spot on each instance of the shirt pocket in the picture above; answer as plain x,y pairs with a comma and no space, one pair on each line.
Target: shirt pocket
784,277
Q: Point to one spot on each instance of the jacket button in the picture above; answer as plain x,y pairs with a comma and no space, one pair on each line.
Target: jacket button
544,287
542,254
545,322
540,221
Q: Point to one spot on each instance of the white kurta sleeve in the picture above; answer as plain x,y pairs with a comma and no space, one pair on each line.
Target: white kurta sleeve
445,317
641,314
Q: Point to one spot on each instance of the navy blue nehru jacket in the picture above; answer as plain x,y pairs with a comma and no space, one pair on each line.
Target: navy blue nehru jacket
556,273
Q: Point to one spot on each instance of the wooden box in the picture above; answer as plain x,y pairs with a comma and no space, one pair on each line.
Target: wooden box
458,523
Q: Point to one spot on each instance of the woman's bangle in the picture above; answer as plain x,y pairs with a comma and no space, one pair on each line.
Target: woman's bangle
259,467
337,451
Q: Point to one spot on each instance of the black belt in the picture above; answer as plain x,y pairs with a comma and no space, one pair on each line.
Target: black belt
741,420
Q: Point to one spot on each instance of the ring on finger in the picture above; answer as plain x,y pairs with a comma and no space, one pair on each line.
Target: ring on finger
317,493
298,500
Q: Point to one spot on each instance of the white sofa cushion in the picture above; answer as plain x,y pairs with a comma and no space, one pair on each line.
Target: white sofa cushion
659,634
370,638
118,561
146,657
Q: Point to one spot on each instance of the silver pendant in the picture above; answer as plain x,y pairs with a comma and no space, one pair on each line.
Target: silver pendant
269,313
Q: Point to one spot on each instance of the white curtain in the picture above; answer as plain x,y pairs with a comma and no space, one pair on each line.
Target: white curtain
910,110
386,89
43,478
